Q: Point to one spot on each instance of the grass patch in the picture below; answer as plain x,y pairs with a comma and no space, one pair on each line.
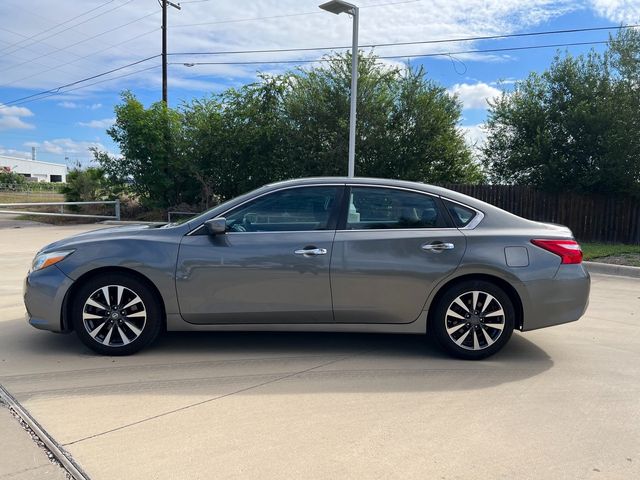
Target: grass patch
614,253
592,251
20,197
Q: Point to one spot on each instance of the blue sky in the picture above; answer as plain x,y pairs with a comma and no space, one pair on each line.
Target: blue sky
46,44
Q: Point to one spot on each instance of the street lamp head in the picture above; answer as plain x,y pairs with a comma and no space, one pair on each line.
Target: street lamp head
338,7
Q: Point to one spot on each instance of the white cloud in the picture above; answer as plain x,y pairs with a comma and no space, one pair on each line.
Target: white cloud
66,146
475,135
623,11
290,23
504,81
14,123
75,105
104,123
11,118
474,96
70,105
11,152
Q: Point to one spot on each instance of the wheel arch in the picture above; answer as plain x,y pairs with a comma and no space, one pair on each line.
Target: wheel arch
67,325
499,282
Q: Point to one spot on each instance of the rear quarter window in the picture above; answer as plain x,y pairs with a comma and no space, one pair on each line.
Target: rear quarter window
460,214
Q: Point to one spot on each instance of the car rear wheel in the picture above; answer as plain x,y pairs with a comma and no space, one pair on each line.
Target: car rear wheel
473,319
116,314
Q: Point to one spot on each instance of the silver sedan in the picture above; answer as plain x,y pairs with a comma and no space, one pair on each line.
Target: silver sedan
316,254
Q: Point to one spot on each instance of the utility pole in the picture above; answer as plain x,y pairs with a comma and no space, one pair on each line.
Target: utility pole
164,4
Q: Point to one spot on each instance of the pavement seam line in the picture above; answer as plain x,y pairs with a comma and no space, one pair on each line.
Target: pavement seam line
153,366
219,397
30,469
56,449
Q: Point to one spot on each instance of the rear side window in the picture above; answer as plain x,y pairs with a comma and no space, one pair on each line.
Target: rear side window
388,208
460,214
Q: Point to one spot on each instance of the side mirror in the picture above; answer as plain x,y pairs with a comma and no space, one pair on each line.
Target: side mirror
216,226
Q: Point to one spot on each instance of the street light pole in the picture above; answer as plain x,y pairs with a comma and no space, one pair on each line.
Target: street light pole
354,95
164,4
338,7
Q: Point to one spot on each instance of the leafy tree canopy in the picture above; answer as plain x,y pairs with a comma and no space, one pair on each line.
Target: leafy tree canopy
574,126
288,126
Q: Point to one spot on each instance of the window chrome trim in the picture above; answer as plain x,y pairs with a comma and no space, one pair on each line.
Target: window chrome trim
475,221
199,227
470,226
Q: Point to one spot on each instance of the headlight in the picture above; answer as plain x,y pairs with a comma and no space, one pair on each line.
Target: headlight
44,260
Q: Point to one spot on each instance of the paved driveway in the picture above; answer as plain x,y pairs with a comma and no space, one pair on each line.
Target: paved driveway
557,403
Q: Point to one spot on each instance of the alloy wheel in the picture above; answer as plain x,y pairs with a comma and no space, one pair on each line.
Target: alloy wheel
475,320
114,315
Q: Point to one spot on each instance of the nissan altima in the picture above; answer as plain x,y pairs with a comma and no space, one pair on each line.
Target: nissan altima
316,254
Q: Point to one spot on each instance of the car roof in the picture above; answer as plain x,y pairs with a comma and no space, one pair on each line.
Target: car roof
496,215
383,182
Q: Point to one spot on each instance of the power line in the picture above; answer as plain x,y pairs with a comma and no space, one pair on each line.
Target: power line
57,89
422,42
418,55
92,54
51,94
155,12
423,55
64,23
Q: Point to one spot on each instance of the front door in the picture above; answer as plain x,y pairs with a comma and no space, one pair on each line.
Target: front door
272,265
393,247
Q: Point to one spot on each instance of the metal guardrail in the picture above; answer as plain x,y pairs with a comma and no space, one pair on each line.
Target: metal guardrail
115,203
191,214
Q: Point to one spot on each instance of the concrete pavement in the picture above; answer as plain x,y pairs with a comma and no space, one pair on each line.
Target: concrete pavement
22,458
557,403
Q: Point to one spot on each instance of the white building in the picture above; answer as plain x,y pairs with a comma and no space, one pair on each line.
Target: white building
35,170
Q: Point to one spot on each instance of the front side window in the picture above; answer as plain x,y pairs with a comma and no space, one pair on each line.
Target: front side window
388,208
294,209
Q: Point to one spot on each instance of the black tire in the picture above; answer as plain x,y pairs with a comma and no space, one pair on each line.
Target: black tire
479,336
129,334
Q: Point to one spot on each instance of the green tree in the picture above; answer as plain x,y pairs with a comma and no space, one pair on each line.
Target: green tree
289,126
152,163
7,177
86,185
256,137
574,126
406,124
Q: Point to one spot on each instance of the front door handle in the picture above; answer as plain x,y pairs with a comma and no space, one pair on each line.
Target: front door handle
311,251
437,247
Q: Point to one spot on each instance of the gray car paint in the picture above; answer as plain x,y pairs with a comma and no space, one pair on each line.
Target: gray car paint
384,276
550,293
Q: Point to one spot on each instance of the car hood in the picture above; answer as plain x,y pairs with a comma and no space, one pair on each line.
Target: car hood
98,235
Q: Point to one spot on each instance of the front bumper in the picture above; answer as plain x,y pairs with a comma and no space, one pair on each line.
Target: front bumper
560,300
44,292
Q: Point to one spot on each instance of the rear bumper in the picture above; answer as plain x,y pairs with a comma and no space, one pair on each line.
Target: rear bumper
560,300
44,293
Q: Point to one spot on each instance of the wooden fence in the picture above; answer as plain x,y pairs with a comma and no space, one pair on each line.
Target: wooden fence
592,218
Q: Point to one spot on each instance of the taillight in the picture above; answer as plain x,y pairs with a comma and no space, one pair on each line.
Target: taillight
568,250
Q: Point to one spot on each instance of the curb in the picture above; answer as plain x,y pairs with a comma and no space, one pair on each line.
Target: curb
60,455
611,269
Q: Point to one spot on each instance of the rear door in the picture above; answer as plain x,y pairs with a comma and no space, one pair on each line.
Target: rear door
393,245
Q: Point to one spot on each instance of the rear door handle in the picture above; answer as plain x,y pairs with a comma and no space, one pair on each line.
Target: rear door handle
311,252
437,247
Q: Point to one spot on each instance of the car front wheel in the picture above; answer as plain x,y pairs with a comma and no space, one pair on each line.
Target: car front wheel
116,314
473,319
